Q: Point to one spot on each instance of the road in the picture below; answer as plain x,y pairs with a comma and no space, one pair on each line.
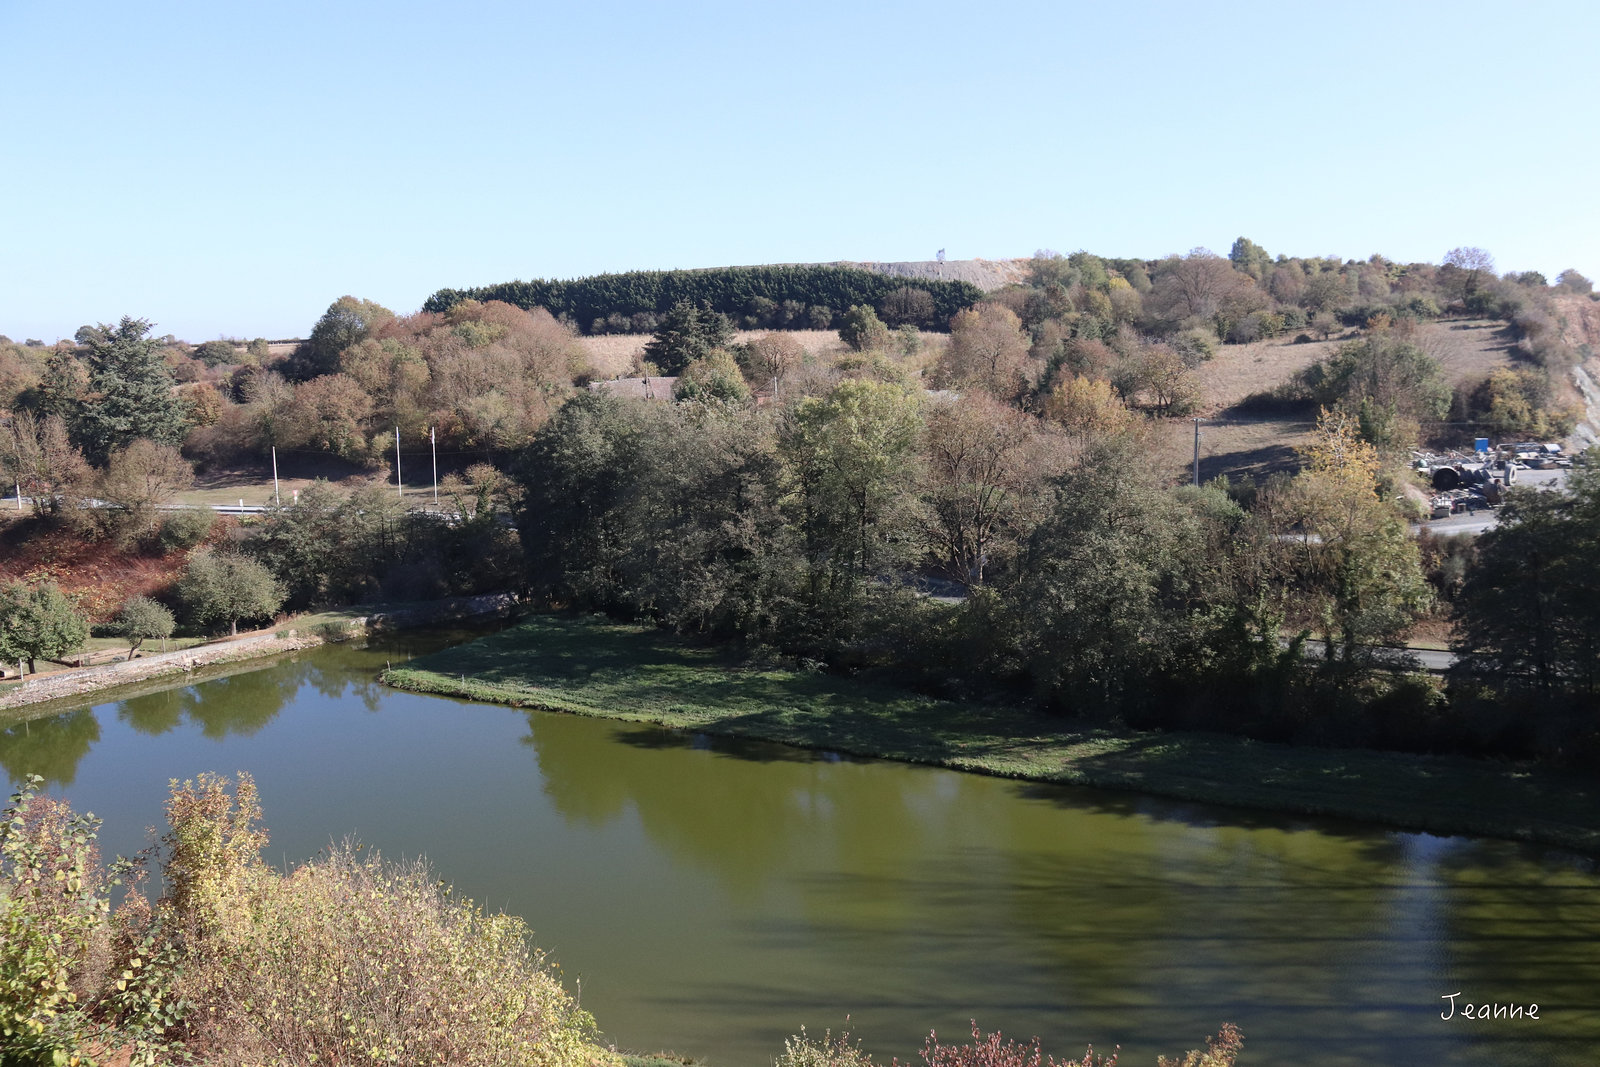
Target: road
1432,660
20,503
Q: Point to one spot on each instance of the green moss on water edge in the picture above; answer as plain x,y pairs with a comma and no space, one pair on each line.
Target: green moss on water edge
590,666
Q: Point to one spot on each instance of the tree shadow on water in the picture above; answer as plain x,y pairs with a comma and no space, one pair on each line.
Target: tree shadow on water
742,748
50,747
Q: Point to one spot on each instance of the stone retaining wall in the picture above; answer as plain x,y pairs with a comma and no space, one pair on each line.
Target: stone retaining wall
74,683
89,679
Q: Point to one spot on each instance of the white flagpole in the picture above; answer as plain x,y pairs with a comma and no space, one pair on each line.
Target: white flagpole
399,486
434,443
276,496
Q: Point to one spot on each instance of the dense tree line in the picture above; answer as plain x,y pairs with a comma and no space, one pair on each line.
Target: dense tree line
1088,583
1530,623
775,297
1010,461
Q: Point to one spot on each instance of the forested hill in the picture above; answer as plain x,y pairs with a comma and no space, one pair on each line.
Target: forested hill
810,296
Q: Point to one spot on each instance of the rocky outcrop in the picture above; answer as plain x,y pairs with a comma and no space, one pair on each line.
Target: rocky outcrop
1587,432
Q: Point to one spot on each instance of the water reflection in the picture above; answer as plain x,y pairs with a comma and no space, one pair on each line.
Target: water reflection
714,895
233,702
49,747
945,895
237,704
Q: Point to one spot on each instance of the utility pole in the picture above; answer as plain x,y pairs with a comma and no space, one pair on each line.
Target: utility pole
433,442
276,496
1197,453
399,486
19,473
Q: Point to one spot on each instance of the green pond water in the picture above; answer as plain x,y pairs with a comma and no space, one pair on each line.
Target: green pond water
712,897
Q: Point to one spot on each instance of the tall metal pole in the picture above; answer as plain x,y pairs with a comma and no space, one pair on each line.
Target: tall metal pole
276,496
399,486
433,443
1197,453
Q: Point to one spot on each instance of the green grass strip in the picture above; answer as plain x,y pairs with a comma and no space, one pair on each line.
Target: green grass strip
639,674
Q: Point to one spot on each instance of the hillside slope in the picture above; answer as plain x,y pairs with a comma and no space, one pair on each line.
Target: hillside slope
986,274
1241,443
1580,328
96,573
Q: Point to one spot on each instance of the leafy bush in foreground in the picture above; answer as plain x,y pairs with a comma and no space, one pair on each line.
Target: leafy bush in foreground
345,959
991,1050
53,908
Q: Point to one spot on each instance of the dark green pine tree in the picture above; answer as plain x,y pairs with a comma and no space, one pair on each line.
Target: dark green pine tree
130,393
687,333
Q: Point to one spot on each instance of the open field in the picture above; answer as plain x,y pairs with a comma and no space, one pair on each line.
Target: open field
614,354
1469,349
252,482
634,673
1238,371
1246,447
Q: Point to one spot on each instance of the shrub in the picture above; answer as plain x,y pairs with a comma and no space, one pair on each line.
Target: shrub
1220,1051
346,959
715,377
53,907
216,353
802,1050
1195,346
863,331
336,630
993,1050
185,529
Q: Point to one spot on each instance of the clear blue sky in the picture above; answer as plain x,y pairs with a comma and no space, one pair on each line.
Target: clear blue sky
233,168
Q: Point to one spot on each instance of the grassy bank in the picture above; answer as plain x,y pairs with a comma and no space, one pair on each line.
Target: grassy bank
593,667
